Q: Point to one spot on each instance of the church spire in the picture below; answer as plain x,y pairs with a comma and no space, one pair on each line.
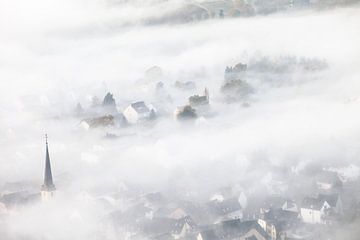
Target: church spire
48,180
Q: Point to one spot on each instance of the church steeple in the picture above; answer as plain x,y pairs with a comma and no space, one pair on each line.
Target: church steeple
48,187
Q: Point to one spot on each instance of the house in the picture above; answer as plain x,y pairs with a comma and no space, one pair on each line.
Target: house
233,229
183,227
104,121
138,112
276,222
199,100
322,209
115,120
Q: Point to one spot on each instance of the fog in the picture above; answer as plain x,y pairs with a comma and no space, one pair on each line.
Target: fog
55,54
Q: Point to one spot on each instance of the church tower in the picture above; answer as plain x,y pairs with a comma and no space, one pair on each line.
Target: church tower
48,188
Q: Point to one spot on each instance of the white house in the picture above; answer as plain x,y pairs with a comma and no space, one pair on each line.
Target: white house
139,112
319,210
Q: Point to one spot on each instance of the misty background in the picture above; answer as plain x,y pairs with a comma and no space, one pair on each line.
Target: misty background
55,54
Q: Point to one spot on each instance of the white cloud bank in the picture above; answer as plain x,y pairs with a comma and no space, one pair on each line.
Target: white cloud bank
54,54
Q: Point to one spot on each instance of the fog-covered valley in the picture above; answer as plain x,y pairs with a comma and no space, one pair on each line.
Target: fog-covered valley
281,112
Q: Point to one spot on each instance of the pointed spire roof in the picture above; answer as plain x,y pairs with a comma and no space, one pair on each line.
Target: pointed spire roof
48,180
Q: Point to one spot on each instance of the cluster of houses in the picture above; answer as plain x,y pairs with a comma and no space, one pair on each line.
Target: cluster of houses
106,114
197,10
237,87
286,204
237,213
238,79
329,203
196,103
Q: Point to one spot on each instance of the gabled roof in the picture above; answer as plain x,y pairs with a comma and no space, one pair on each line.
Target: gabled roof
198,100
280,215
281,219
140,107
312,203
318,202
331,199
179,224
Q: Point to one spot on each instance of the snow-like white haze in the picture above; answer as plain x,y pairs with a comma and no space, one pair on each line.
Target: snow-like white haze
54,54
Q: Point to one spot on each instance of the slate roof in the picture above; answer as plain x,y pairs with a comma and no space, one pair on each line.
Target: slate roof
331,199
280,215
140,107
312,203
281,219
179,224
198,100
318,202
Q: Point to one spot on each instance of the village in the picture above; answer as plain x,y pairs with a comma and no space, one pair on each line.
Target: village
180,120
319,201
236,88
200,10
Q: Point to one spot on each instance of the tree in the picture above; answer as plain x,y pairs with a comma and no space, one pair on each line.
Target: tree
109,100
